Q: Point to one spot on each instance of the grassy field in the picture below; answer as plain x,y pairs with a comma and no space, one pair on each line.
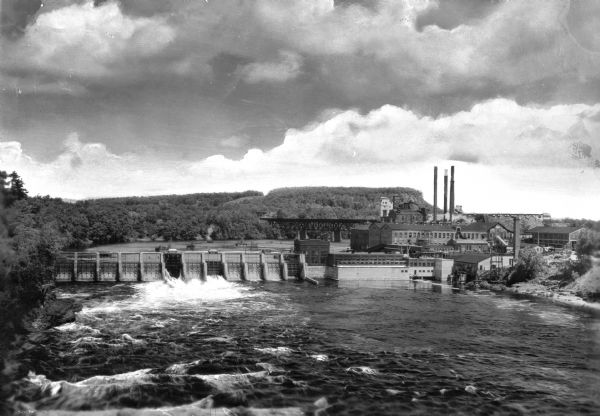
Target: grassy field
231,245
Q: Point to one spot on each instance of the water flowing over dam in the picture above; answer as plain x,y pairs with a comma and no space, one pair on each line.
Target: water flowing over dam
272,348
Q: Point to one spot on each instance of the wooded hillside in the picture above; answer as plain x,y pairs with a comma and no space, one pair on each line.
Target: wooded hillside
187,217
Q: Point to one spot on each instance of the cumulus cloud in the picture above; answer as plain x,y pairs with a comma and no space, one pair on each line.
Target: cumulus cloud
379,52
83,43
518,159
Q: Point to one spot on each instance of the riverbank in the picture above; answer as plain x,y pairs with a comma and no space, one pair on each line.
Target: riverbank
536,290
31,337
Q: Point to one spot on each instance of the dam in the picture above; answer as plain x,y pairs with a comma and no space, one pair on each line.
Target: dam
185,265
238,266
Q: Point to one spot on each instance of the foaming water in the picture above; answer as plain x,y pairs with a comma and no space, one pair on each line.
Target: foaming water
173,292
222,345
170,291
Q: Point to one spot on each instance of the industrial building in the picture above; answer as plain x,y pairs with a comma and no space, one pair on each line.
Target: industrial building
472,264
419,234
557,237
401,212
359,238
480,236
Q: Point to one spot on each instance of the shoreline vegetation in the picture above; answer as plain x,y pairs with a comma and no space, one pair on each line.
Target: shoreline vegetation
569,278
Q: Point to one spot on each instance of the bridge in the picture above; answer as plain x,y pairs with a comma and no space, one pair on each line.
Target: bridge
301,225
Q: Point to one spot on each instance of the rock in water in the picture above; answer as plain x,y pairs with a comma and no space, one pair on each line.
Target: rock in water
471,389
60,311
321,403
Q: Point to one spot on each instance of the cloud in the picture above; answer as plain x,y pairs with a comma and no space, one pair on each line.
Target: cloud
284,69
81,43
379,53
518,159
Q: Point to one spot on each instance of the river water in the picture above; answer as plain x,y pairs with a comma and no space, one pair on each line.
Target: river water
293,348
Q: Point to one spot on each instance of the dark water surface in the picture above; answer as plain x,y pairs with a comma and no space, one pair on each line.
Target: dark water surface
275,345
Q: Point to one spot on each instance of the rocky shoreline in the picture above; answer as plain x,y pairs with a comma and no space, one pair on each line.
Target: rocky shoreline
539,291
32,338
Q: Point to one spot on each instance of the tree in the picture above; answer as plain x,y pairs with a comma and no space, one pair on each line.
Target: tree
17,188
3,182
529,266
588,246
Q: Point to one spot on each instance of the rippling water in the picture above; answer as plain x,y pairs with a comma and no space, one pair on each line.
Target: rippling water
326,349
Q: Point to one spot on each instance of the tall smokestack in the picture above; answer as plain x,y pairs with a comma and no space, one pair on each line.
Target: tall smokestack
435,194
516,238
451,192
445,193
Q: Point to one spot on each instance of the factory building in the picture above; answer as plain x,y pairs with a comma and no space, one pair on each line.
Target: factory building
557,237
401,212
359,238
437,269
375,234
472,264
417,234
480,236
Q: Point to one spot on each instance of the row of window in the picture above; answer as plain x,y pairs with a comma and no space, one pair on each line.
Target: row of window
473,236
422,263
422,234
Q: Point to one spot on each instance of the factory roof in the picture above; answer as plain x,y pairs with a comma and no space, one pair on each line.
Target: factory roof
361,227
482,226
420,227
472,258
470,241
554,230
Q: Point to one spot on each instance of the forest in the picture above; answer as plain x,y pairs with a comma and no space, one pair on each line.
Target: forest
216,216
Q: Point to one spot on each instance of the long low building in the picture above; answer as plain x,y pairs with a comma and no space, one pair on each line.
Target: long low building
420,234
557,237
372,267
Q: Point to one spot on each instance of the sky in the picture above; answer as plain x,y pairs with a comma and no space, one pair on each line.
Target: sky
147,97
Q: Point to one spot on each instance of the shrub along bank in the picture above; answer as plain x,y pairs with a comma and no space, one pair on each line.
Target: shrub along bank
28,303
555,274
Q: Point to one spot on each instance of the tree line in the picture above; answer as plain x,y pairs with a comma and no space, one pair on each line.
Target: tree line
217,216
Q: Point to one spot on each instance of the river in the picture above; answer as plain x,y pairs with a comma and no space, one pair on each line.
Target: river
295,348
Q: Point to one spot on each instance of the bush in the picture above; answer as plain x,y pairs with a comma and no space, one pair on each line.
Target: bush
588,285
529,266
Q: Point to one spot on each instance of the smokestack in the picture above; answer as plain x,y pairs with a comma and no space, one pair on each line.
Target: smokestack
435,194
451,192
516,238
445,193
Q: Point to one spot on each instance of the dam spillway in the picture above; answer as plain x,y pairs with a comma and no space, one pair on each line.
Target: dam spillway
186,265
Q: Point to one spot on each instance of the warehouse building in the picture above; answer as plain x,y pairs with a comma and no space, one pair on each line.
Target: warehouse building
557,237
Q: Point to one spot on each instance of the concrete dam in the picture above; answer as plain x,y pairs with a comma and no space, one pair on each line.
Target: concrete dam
245,266
186,265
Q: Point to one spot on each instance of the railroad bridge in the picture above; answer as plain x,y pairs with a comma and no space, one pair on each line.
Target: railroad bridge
334,225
